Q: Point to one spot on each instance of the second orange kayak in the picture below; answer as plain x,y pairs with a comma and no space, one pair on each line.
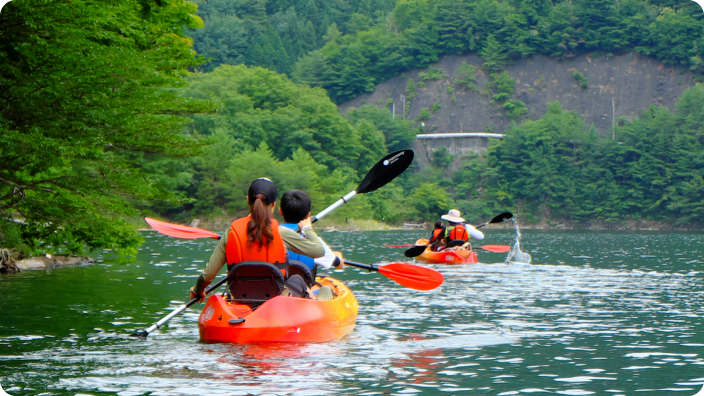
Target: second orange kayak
454,256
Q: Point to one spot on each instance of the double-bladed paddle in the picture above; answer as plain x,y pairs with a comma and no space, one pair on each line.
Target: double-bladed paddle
419,249
381,174
488,248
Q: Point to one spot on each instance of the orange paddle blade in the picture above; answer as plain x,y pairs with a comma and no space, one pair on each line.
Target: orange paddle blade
413,276
496,248
179,231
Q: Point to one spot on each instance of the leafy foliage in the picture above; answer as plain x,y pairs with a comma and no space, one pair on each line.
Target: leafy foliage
581,79
465,77
270,126
276,33
433,73
85,90
263,106
398,133
424,114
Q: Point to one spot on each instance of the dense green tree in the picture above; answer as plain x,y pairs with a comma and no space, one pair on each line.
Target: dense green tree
690,114
398,133
262,106
601,24
455,32
430,201
83,92
555,168
223,40
312,70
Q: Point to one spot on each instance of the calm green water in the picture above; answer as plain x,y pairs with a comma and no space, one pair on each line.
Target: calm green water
604,313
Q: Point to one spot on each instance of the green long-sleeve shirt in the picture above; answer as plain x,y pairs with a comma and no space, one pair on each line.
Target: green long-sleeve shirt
310,246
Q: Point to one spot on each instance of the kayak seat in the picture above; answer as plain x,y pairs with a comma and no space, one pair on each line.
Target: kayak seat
254,282
455,242
296,267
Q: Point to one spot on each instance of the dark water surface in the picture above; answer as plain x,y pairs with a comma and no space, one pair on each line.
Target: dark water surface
607,313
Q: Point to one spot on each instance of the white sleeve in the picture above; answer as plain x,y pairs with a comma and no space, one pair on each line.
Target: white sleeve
328,259
474,233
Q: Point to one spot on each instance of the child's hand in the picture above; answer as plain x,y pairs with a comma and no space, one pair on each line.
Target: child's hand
305,222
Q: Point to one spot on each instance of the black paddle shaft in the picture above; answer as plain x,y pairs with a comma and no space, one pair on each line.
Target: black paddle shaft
178,310
369,267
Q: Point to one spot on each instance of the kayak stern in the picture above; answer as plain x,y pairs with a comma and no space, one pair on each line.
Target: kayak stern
281,319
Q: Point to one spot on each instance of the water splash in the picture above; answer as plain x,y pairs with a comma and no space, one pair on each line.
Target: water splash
515,255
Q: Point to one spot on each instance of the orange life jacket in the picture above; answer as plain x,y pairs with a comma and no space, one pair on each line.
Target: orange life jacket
458,232
237,251
436,234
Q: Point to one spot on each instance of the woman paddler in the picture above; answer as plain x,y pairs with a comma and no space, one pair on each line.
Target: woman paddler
457,230
257,237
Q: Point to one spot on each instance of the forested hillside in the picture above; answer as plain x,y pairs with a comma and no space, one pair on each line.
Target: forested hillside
347,47
275,33
456,94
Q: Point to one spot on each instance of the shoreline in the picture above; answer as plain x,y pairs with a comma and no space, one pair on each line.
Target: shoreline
45,262
219,224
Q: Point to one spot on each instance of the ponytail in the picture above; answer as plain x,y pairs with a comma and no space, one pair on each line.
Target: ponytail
259,226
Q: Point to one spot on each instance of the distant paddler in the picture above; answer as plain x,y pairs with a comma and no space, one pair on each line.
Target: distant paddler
457,229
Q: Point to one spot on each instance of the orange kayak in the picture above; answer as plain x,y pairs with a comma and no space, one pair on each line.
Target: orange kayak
281,319
454,256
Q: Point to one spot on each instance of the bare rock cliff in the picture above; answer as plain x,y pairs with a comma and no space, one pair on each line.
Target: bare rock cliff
632,81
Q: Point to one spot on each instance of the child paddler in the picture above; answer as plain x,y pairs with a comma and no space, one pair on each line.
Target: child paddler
437,238
294,208
257,237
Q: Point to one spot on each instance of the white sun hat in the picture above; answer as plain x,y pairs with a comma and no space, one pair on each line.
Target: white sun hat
453,215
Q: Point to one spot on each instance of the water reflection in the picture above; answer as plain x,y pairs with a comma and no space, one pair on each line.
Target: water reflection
597,313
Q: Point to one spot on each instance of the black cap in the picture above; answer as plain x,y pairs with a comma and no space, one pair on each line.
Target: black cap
262,186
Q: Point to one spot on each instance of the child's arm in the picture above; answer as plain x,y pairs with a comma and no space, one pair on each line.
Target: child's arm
309,245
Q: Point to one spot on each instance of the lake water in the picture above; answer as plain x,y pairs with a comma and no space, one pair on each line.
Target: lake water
605,313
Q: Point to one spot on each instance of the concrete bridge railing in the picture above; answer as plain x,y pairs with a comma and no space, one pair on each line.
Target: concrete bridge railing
457,144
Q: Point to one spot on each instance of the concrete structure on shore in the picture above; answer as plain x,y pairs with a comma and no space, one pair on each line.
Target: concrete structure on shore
457,144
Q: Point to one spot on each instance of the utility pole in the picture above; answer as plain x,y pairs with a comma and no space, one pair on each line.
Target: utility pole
403,104
613,118
393,110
